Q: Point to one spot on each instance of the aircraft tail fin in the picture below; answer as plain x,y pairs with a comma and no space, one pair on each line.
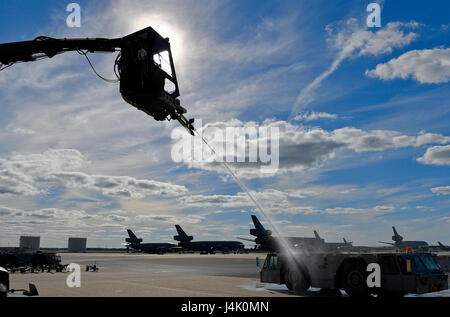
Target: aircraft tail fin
440,244
132,238
316,235
259,230
396,237
182,236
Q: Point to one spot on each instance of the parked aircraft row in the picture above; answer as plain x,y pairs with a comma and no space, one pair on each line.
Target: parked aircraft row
265,241
185,243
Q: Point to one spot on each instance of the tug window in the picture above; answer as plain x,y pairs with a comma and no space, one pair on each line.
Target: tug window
430,263
273,265
419,268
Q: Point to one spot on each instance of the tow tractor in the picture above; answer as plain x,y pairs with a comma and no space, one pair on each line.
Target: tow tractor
144,67
400,274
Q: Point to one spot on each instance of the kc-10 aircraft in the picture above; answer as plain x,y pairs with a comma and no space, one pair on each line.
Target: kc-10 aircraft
443,247
186,242
265,241
342,246
154,248
440,247
399,243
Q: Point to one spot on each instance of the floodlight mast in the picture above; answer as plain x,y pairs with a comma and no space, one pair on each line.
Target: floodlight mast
143,82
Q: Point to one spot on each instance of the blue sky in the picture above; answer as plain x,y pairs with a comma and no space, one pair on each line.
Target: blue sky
363,116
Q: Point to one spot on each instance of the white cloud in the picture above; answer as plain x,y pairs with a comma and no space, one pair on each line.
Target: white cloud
28,175
442,190
373,210
425,66
430,138
121,186
44,163
14,182
324,192
436,155
279,202
352,39
373,140
43,75
299,147
223,201
274,201
19,174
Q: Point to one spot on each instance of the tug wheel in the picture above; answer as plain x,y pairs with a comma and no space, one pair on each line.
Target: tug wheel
354,281
296,281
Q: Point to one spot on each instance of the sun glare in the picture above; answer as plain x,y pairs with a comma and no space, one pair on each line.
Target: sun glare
163,27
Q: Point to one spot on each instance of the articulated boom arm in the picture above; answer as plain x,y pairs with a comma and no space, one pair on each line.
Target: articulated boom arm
145,68
43,46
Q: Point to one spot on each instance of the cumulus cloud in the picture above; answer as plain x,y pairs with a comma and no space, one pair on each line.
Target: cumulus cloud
44,215
19,174
13,182
282,202
352,39
299,147
22,174
50,160
278,202
430,138
225,201
274,201
122,186
431,66
436,155
442,190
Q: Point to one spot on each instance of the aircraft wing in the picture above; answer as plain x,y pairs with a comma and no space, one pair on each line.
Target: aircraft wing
245,239
390,243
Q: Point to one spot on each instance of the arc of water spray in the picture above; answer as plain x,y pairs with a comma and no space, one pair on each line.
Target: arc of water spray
253,199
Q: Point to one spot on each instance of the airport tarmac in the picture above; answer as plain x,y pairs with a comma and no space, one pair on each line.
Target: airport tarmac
178,275
137,274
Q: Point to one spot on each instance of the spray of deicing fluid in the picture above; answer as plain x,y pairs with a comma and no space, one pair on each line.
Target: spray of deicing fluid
284,244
